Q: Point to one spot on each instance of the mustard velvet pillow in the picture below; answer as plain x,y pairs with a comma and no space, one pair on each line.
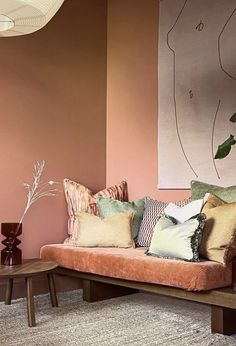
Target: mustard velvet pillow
114,231
219,234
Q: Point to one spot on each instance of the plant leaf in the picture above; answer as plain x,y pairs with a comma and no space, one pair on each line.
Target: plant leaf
224,149
233,118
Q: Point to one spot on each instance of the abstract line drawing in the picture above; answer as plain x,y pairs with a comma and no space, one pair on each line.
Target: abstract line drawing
219,46
212,139
200,26
190,94
174,89
196,93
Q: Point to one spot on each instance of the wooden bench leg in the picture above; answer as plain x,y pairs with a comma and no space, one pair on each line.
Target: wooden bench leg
30,302
94,291
52,290
9,292
223,320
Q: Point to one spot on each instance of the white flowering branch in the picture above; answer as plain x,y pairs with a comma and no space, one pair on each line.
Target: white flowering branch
35,191
38,190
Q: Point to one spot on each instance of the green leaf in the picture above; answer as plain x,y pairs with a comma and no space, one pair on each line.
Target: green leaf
224,149
233,118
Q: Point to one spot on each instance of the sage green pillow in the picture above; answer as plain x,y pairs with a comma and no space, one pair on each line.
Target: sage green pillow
199,189
176,240
108,207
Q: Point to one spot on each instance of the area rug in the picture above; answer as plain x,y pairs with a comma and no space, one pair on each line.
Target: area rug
138,320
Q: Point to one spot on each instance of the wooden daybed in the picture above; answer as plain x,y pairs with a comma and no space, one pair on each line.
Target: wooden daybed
112,272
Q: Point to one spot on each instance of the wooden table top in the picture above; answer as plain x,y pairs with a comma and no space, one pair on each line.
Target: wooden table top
29,267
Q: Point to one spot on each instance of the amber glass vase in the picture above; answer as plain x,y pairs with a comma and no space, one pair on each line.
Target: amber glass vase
11,254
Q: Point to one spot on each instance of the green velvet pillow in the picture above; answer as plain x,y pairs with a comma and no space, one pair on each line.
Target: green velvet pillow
177,240
108,207
199,189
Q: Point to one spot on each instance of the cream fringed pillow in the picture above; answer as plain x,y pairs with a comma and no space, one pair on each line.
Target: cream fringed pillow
114,231
219,234
177,240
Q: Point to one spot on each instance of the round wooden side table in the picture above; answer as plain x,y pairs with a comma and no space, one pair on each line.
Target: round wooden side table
28,269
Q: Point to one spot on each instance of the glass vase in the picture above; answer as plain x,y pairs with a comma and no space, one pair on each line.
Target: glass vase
11,254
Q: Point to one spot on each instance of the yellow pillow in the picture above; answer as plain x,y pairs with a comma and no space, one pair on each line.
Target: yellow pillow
114,231
219,233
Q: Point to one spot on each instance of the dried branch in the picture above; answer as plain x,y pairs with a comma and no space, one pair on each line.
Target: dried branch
38,190
35,191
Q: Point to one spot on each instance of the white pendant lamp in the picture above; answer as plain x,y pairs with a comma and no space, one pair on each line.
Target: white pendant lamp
21,17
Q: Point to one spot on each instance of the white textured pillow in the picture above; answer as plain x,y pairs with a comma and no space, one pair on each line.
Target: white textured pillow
182,214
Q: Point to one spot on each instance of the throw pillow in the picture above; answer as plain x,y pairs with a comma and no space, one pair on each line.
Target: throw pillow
114,231
108,207
152,211
199,189
182,214
219,235
178,241
80,198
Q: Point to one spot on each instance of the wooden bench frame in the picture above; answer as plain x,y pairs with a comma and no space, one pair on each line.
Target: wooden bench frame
222,301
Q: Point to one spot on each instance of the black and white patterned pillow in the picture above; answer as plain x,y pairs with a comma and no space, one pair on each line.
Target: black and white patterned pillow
152,212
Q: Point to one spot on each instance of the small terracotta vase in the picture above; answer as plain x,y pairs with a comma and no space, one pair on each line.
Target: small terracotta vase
11,254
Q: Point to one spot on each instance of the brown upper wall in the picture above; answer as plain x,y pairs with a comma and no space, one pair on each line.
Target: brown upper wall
53,107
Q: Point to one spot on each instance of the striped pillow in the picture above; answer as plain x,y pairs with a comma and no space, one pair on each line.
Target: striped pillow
152,212
80,199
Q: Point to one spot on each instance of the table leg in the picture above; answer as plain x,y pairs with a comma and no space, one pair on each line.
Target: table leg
9,292
52,290
30,302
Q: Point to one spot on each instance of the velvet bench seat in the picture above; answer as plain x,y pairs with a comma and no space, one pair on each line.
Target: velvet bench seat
205,281
133,264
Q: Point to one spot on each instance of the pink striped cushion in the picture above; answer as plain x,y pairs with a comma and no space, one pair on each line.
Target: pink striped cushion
80,198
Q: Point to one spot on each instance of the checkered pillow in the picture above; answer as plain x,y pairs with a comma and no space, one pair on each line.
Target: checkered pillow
153,210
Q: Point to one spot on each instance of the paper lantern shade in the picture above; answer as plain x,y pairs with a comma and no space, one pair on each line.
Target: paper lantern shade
21,17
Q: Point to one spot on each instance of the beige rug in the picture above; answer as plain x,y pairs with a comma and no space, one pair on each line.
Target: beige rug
137,320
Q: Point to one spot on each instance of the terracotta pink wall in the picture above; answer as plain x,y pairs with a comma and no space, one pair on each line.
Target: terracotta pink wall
53,107
132,98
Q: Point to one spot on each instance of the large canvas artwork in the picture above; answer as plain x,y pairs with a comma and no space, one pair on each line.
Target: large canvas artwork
197,91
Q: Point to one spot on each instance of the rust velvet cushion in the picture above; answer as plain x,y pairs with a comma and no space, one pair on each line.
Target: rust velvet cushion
133,264
81,199
219,233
